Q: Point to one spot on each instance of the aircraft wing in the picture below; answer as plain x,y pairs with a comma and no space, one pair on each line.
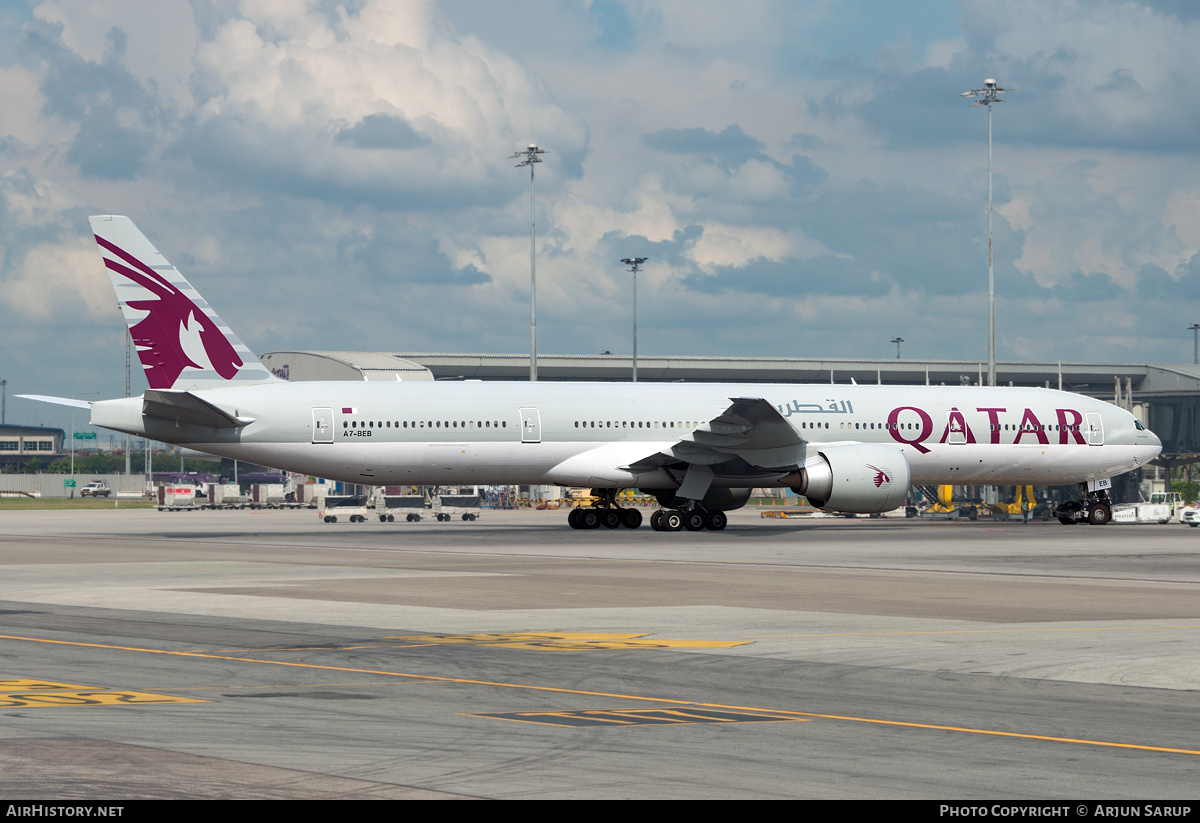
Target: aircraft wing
751,428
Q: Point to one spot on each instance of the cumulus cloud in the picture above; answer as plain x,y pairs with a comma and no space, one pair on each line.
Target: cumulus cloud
57,281
292,95
336,175
730,147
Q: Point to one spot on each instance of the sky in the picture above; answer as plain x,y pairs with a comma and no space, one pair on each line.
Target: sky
805,178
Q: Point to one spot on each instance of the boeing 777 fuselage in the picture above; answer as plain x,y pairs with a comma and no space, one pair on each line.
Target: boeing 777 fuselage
698,447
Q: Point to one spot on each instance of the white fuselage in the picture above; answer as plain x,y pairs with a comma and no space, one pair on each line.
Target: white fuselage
589,434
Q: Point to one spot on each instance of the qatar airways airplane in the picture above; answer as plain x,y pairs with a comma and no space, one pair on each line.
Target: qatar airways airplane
698,448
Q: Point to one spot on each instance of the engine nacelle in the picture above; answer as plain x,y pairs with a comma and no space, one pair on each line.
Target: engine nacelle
861,478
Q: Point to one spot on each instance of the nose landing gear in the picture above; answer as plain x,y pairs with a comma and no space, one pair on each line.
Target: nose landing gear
1095,509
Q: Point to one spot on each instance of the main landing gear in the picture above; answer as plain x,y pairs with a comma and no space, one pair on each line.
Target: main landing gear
1095,509
693,519
605,513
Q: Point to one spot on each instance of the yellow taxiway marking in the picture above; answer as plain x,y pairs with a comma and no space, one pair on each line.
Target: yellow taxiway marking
968,631
428,678
566,641
36,685
607,718
282,686
334,648
40,694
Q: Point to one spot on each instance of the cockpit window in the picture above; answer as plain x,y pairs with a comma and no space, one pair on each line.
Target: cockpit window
1137,424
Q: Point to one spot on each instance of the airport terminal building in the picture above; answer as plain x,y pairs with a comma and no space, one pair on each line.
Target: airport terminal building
21,443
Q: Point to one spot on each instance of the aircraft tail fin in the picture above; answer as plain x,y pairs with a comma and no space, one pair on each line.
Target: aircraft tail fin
180,340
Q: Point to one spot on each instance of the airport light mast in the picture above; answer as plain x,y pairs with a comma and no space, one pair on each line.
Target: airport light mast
897,341
986,96
1195,327
634,264
531,157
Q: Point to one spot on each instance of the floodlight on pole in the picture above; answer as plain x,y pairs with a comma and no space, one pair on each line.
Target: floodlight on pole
1195,327
634,264
531,156
897,341
986,96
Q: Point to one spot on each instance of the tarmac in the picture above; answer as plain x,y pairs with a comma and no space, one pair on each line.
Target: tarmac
265,654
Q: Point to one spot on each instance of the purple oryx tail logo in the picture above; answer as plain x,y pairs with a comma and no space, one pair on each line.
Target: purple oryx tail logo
175,333
881,478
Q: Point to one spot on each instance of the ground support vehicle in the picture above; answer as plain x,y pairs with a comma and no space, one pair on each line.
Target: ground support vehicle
1189,516
1172,499
352,507
269,496
448,506
224,496
943,506
176,498
408,506
1142,513
303,496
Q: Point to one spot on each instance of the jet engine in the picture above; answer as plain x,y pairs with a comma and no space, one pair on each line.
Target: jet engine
858,478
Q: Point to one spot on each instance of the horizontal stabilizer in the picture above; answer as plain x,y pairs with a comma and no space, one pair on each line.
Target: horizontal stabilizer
61,401
185,407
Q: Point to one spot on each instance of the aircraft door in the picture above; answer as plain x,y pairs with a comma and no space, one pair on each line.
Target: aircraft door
956,428
531,426
1095,429
322,425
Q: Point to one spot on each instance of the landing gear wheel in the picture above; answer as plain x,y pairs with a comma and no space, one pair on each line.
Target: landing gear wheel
671,520
1099,514
716,521
656,521
610,518
693,520
589,519
631,518
573,519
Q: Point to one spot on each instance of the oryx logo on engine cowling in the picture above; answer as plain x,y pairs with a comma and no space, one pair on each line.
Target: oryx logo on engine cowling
882,478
